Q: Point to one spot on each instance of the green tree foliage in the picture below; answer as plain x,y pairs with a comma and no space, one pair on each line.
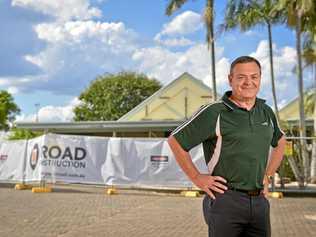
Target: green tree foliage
309,49
110,96
20,133
309,102
304,13
8,110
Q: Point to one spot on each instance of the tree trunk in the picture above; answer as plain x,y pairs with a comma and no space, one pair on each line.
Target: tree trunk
299,70
313,163
213,54
297,173
276,110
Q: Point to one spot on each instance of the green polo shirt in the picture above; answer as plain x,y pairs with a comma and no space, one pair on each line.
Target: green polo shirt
236,142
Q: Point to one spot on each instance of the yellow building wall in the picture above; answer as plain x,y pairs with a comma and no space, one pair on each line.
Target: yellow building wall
170,105
291,111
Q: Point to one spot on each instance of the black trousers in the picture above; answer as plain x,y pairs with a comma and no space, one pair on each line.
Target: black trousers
235,214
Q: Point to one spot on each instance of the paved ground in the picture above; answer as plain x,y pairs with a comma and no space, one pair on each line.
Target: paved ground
87,211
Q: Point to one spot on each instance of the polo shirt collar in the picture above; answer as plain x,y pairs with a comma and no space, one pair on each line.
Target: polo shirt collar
232,105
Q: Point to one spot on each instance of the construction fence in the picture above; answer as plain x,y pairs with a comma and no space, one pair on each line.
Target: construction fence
131,162
128,162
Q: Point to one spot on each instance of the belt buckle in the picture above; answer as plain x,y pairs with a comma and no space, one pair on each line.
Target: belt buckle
253,192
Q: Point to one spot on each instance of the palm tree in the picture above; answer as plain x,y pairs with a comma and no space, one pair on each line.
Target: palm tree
208,18
299,14
310,109
247,14
309,56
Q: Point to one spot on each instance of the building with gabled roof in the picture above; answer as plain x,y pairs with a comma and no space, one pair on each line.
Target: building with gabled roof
290,112
156,116
176,101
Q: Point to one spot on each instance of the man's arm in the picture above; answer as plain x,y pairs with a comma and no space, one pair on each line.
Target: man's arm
275,160
203,181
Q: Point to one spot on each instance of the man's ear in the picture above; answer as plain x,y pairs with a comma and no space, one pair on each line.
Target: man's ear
230,77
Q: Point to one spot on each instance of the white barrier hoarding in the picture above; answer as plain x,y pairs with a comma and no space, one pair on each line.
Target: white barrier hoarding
33,156
141,162
12,160
146,162
72,159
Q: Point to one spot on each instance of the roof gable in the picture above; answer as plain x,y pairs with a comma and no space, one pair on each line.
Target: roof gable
176,101
291,110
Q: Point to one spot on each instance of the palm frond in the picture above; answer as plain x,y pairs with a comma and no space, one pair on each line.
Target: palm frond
246,14
309,50
309,102
173,6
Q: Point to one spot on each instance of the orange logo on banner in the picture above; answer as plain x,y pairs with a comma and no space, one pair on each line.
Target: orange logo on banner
34,156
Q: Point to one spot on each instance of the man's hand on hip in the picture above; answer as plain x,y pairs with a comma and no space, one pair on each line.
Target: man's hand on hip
266,182
210,184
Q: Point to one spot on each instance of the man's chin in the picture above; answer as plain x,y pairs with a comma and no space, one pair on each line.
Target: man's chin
249,96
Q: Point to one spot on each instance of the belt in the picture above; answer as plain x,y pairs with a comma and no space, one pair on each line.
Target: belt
255,192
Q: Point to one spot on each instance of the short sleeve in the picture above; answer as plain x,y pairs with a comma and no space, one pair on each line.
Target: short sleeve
277,132
197,129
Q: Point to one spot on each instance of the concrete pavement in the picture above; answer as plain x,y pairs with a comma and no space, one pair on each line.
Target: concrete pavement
87,211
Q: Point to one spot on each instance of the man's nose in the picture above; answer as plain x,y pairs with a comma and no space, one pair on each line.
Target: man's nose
247,80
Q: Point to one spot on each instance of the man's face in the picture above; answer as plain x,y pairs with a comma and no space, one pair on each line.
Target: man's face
245,80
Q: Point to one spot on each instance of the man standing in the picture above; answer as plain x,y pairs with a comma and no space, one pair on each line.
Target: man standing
236,133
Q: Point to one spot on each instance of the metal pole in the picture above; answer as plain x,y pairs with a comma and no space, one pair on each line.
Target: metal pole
37,105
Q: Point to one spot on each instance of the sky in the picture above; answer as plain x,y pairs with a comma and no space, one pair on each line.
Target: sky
52,50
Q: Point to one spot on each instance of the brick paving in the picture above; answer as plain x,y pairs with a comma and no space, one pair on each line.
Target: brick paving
87,211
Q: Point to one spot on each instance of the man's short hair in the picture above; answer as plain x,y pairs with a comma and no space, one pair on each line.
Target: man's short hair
244,59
